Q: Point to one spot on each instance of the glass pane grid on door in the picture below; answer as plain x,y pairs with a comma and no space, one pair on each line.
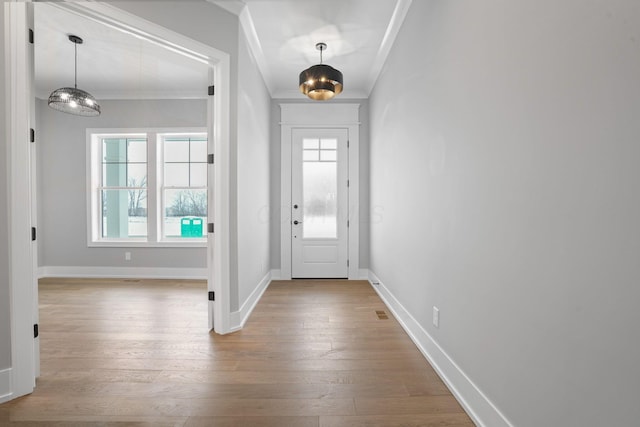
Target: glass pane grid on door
320,188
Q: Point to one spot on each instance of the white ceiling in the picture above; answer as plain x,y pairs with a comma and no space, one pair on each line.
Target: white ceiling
282,35
111,64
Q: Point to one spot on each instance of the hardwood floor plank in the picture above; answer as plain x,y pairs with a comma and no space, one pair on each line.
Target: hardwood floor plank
220,391
408,405
314,353
416,420
252,422
232,407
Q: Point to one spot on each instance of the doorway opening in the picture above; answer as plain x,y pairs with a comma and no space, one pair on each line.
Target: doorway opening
20,71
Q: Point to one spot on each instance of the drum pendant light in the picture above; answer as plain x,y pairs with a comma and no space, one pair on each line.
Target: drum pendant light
320,82
73,100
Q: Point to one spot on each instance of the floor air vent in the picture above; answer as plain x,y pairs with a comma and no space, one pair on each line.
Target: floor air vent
381,315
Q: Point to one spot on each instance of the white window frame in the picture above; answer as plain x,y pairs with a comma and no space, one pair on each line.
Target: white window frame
155,201
161,187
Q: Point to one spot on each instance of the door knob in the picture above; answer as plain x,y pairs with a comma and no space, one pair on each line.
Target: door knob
296,222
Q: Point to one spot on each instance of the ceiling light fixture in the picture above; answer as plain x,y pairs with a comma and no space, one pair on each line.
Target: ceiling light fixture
321,82
71,99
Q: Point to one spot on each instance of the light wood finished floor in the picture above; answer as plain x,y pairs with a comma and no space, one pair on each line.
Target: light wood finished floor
314,353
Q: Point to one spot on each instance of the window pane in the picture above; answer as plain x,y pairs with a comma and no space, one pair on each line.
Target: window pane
310,155
185,213
320,191
137,175
114,174
137,150
114,150
176,150
328,155
198,175
124,213
176,174
329,144
310,144
124,162
199,150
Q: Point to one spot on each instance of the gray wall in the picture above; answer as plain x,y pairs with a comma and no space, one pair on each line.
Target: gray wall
253,174
504,157
5,326
249,173
276,181
62,205
213,26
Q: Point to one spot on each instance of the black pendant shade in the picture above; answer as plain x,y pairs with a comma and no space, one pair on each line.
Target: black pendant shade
320,82
71,99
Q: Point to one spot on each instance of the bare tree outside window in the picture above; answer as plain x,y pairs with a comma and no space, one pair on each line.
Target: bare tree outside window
137,196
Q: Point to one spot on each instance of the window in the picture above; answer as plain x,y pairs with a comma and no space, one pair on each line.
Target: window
184,189
147,188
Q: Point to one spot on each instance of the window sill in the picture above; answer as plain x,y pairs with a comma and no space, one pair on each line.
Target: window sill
145,244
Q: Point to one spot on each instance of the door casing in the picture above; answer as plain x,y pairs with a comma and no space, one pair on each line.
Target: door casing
313,257
317,116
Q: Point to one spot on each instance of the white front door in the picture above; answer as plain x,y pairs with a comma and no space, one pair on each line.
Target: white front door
319,203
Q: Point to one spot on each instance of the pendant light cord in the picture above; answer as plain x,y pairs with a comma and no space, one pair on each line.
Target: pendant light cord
321,49
75,69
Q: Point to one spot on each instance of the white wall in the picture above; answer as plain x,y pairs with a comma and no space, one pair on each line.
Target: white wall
274,154
5,327
61,144
253,175
504,190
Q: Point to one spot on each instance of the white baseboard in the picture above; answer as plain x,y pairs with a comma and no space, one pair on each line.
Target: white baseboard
363,274
475,402
5,385
237,319
123,272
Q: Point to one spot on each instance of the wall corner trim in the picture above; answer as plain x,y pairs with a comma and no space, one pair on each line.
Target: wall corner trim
275,274
477,405
5,385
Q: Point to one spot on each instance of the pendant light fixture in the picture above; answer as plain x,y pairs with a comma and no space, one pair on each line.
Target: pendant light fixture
73,100
321,82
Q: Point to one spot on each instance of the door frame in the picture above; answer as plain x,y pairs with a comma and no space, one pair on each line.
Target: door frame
20,108
317,116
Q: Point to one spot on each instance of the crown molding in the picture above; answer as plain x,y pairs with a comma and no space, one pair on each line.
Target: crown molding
397,19
246,22
232,6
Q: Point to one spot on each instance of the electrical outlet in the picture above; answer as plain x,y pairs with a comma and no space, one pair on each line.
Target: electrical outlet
436,316
127,256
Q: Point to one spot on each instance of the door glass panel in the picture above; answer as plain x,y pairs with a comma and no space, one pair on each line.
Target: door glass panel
310,155
329,144
310,144
320,204
328,155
